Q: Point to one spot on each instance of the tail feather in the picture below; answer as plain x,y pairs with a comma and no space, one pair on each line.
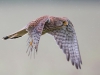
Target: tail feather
16,35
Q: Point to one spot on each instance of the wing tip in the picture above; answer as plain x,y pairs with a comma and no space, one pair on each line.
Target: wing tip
68,57
78,65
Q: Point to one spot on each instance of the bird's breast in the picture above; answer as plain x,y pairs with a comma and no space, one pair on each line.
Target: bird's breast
50,28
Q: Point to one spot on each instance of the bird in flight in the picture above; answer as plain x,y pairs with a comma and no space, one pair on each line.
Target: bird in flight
60,27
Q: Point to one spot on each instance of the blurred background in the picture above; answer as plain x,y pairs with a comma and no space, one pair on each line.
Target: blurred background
50,60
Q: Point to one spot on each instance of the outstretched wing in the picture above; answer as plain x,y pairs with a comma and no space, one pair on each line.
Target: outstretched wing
34,33
67,40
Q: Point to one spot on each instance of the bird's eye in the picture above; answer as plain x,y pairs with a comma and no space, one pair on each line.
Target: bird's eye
59,23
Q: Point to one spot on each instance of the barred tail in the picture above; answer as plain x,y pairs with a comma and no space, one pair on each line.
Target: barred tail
16,34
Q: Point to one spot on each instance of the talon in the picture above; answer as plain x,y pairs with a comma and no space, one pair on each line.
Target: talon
31,42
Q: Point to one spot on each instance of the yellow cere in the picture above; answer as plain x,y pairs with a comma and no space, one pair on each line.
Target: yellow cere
65,23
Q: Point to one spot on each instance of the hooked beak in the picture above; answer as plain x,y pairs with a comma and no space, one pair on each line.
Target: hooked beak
65,23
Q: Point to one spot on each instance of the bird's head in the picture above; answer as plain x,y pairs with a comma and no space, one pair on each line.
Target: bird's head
65,23
61,22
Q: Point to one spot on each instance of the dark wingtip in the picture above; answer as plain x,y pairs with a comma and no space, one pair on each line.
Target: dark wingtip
72,63
78,66
81,62
68,57
5,38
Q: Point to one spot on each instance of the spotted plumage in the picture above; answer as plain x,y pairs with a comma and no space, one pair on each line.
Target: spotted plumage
61,28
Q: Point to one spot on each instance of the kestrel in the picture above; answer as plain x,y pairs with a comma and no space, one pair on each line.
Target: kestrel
60,27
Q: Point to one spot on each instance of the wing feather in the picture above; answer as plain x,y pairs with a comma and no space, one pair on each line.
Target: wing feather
34,34
67,41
